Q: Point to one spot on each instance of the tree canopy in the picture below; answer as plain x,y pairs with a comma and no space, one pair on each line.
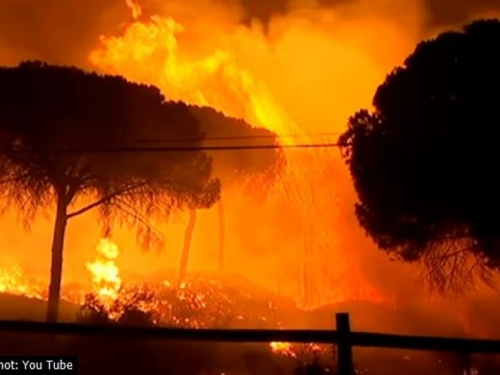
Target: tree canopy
249,168
71,131
65,141
253,170
424,160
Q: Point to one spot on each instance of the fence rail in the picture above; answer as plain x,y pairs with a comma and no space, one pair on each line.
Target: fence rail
343,337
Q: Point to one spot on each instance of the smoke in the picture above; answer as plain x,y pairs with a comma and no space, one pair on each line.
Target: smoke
319,61
321,65
66,31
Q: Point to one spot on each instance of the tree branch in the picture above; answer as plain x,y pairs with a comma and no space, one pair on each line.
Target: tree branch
14,179
447,268
134,214
103,200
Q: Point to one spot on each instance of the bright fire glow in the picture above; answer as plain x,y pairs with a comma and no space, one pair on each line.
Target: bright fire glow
14,281
283,348
104,271
134,8
299,351
151,52
193,81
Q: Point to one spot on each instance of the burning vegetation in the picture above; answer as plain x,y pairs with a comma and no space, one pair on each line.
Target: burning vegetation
257,235
215,90
199,302
14,281
158,50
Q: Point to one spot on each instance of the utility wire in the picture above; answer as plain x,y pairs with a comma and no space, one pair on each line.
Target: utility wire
243,137
171,149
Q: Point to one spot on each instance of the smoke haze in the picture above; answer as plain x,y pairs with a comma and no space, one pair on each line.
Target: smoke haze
316,64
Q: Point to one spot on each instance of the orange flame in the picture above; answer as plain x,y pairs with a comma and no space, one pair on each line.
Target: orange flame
283,348
195,81
134,8
104,271
149,52
14,281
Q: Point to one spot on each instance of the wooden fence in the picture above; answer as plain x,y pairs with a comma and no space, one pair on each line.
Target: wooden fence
342,337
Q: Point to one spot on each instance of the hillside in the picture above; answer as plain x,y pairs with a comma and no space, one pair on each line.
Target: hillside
23,308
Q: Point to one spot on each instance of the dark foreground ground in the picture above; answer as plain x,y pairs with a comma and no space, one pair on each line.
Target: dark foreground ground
105,355
101,355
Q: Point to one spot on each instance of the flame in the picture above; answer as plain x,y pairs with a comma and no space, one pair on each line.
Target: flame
283,348
104,271
303,352
14,281
134,8
191,80
150,52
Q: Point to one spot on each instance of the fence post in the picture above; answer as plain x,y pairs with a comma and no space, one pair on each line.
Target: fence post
466,363
344,349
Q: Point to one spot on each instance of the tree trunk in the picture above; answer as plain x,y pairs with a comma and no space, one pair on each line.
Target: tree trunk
305,266
466,363
188,235
221,235
57,261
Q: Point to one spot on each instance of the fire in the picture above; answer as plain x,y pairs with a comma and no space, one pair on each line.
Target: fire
283,348
306,353
151,52
14,281
134,8
191,80
104,271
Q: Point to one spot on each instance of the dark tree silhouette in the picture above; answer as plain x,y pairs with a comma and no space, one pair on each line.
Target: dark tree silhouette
254,170
424,161
61,131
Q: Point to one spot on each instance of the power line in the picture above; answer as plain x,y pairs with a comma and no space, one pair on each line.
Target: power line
171,149
233,138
